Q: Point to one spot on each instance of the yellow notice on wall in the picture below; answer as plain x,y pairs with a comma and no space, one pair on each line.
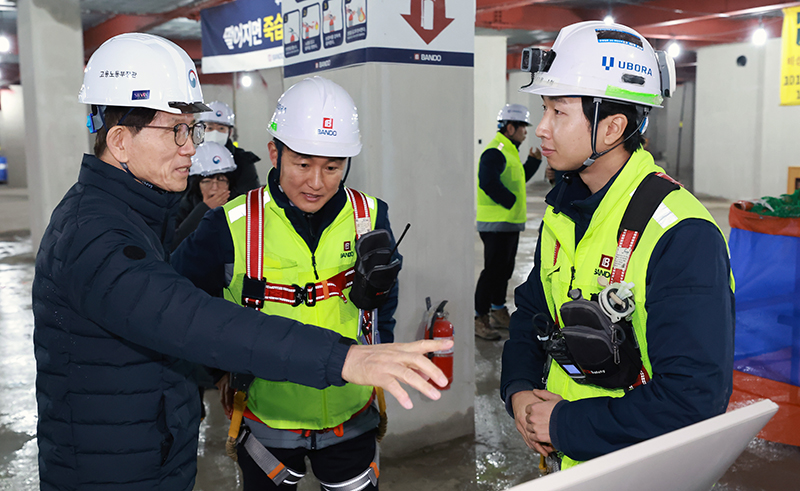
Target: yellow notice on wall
790,57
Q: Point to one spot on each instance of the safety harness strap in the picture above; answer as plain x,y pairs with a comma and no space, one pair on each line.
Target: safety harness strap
366,318
643,205
646,199
361,481
272,467
254,284
360,211
310,293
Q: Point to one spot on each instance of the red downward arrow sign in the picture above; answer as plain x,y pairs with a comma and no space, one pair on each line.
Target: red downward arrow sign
427,29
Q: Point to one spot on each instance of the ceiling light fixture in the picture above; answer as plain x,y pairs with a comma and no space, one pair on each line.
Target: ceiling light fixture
760,36
608,20
674,49
5,44
246,81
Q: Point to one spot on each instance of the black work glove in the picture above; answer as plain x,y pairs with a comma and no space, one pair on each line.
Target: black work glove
375,270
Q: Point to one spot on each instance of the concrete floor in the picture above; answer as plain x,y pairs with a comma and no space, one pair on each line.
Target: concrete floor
494,459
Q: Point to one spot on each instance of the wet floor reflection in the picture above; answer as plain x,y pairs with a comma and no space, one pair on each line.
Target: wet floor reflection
18,452
493,460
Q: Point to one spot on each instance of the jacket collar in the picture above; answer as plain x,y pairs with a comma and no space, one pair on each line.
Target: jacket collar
154,206
573,198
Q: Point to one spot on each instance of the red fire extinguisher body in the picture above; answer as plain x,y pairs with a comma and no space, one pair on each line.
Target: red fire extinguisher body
443,329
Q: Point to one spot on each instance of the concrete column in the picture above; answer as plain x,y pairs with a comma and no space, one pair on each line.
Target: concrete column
490,90
416,125
254,106
50,38
12,135
533,102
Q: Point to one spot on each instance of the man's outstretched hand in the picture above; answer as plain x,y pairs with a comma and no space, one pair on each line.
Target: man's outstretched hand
386,365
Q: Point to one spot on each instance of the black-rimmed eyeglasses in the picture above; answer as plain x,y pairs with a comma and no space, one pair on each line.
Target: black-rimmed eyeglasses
182,130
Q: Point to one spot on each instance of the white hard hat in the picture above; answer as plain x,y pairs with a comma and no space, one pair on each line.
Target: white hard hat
220,113
317,117
211,158
142,70
609,61
515,112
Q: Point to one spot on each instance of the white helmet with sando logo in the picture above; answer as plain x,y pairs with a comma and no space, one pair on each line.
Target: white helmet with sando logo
211,158
141,70
317,117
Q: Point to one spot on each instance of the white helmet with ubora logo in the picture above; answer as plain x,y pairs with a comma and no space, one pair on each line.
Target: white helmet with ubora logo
317,117
142,70
609,61
211,158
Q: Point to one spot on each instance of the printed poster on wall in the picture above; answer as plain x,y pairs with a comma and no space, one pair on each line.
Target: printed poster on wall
325,34
790,57
242,35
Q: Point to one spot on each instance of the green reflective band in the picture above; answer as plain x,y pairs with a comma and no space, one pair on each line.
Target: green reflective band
620,93
273,126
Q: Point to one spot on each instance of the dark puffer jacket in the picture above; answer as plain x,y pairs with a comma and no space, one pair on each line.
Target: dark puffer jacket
245,177
118,334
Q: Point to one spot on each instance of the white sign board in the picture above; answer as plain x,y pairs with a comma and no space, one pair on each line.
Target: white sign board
326,34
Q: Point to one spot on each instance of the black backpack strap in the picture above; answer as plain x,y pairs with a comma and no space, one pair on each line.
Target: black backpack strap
646,199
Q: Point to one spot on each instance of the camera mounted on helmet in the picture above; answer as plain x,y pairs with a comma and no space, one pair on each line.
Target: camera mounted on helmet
536,60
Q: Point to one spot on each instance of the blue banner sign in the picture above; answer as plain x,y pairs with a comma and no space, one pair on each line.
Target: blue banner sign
242,35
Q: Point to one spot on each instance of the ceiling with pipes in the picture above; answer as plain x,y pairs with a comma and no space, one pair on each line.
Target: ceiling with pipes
691,23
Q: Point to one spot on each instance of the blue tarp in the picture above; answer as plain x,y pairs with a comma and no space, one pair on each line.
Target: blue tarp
767,272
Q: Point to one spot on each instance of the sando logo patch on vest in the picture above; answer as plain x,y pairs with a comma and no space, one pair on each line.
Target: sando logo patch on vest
604,268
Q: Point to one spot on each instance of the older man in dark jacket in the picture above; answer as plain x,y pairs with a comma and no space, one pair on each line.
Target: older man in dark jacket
118,332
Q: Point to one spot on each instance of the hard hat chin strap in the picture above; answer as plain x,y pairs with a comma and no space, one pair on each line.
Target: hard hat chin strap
96,119
279,147
148,184
347,170
641,111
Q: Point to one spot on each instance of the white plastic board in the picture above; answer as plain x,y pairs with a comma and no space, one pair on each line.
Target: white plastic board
689,459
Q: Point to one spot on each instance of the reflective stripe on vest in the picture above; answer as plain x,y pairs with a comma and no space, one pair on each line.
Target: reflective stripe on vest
287,260
580,266
513,178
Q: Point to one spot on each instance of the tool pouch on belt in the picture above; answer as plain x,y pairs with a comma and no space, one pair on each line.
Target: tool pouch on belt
375,271
606,353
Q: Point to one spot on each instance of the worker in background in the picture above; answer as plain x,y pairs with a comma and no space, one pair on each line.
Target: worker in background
318,236
211,179
220,128
624,329
501,215
118,333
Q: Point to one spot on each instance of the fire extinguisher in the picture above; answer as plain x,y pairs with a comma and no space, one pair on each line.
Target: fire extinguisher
439,328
